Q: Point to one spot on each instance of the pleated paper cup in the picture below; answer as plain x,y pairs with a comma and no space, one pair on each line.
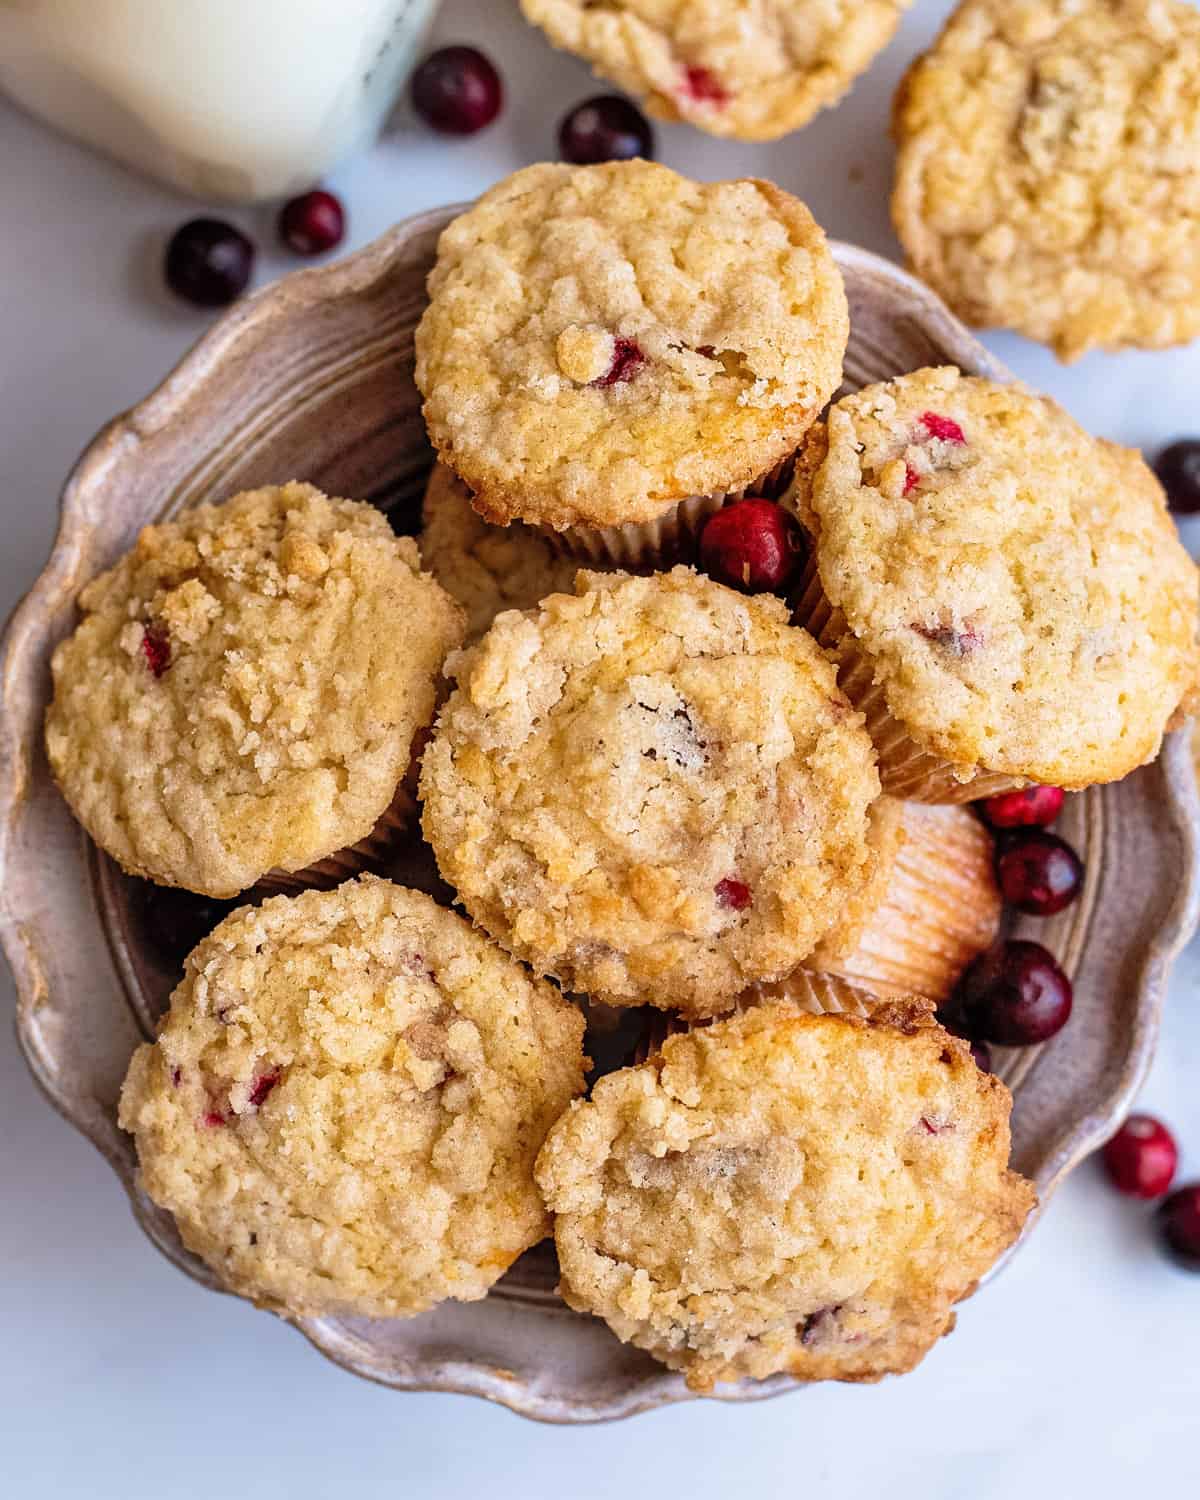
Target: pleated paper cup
814,993
370,854
673,537
931,907
906,770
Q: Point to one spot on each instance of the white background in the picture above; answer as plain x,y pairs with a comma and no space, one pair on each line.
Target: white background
1075,1374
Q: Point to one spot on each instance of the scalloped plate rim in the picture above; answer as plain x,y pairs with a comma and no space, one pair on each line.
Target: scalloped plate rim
355,274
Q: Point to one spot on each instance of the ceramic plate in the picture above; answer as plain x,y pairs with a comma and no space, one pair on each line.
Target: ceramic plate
312,379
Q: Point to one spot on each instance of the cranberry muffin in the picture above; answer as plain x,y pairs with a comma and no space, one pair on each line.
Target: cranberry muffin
486,569
784,1192
753,71
1007,597
345,1100
651,790
1048,170
616,346
242,694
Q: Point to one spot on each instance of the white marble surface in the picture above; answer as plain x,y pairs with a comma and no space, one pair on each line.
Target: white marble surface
1074,1374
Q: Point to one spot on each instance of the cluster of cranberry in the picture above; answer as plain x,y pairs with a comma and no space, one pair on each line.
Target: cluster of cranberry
456,91
209,261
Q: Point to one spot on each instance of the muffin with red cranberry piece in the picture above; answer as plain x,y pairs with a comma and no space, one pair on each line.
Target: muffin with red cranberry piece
782,1192
242,695
345,1101
1006,596
610,351
485,568
651,790
752,72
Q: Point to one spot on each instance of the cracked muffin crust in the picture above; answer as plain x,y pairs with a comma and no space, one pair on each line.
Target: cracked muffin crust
1014,587
485,568
651,790
243,691
604,342
751,69
1048,175
345,1100
786,1192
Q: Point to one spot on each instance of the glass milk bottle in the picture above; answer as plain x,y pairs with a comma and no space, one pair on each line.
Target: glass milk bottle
233,99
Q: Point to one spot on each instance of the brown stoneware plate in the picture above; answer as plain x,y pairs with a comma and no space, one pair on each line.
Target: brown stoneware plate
312,379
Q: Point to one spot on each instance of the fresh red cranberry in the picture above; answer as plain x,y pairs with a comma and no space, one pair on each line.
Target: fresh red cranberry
733,893
751,544
1014,995
174,921
1032,807
156,648
627,360
1141,1158
457,91
1178,1219
912,478
704,87
261,1087
945,428
606,128
209,262
1178,470
1038,872
313,223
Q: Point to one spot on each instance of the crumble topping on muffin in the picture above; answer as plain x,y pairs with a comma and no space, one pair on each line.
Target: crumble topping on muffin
786,1192
244,688
651,790
1017,585
344,1104
1048,176
604,342
485,568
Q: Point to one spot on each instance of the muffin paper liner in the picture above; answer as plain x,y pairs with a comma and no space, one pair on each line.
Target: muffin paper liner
673,537
818,994
936,908
343,864
905,769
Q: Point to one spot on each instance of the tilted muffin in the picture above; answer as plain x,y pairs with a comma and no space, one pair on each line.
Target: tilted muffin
242,694
1007,595
607,346
786,1192
1048,174
652,790
345,1100
751,69
931,905
485,568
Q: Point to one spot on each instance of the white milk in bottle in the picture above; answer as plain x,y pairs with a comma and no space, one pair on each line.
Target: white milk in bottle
234,99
